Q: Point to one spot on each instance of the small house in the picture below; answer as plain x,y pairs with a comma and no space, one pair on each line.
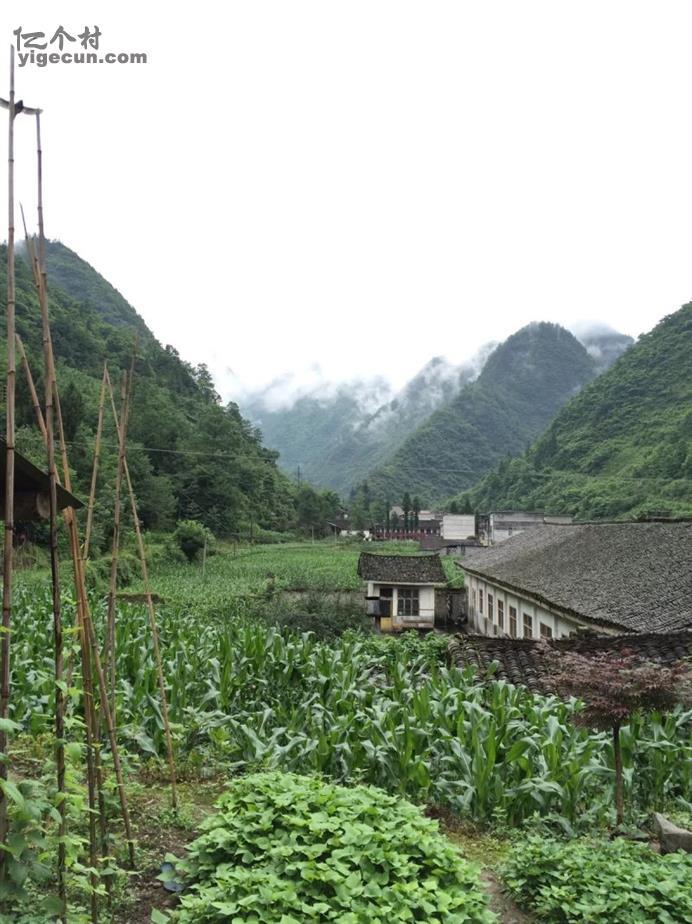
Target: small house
402,589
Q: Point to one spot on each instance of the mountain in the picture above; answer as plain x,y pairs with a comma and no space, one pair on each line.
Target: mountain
190,456
602,343
336,434
522,384
622,447
73,275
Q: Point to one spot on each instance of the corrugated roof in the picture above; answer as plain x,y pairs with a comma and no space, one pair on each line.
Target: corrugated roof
528,661
637,576
401,569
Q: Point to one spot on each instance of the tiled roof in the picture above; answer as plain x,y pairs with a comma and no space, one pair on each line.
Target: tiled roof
435,543
636,576
527,661
401,569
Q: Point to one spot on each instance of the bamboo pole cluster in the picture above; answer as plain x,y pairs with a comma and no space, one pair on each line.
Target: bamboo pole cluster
98,676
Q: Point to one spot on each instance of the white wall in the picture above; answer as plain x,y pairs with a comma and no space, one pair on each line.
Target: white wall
481,623
426,600
458,525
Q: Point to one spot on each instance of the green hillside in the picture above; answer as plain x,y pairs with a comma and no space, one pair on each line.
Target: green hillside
190,456
523,383
623,446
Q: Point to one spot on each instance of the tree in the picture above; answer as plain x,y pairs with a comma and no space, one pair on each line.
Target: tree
72,405
191,537
406,504
415,504
613,686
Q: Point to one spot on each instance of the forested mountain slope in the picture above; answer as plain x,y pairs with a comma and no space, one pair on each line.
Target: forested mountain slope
337,434
523,383
622,447
189,455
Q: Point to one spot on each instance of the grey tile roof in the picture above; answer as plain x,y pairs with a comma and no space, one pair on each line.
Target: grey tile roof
401,569
528,662
636,576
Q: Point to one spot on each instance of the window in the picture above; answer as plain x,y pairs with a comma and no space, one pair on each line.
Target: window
491,607
513,621
528,626
408,604
546,631
501,613
480,600
473,599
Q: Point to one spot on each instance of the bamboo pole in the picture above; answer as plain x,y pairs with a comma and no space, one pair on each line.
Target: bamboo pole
36,404
115,548
48,374
150,607
9,474
85,624
84,614
94,471
94,770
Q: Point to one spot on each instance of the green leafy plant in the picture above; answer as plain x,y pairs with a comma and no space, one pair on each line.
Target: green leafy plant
293,848
570,882
191,537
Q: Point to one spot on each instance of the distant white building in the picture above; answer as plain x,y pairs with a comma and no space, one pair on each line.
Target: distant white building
500,525
458,526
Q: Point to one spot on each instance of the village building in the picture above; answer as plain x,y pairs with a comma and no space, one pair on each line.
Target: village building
551,581
402,590
495,527
414,530
455,547
344,526
460,526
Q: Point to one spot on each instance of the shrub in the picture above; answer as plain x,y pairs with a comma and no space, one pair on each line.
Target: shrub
190,537
98,571
569,882
288,848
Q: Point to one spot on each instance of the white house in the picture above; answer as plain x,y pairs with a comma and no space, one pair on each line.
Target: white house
614,577
502,524
401,589
458,525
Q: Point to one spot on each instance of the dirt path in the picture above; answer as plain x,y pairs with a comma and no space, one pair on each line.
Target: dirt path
501,903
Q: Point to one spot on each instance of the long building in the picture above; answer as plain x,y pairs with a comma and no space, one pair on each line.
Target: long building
548,581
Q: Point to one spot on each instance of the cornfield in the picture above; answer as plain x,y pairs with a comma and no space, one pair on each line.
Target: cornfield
383,711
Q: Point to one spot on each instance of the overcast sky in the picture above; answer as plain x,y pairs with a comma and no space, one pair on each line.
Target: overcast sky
364,184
